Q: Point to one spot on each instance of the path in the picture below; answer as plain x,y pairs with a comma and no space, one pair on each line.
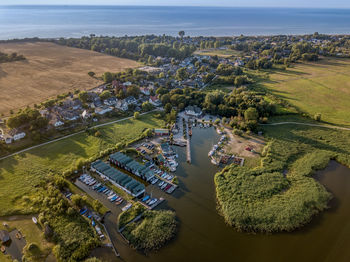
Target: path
68,136
306,124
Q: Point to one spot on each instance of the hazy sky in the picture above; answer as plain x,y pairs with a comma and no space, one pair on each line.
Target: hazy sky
248,3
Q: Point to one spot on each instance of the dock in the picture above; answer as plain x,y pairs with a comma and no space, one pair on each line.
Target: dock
188,144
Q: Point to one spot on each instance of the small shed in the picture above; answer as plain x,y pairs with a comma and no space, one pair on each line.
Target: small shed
4,236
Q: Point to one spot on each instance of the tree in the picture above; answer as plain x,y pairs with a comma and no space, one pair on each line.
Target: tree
182,34
92,74
133,91
105,95
147,106
107,77
168,108
79,200
317,117
83,96
96,205
136,115
251,114
182,74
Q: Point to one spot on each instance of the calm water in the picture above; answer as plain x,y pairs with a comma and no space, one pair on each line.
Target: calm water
203,235
75,21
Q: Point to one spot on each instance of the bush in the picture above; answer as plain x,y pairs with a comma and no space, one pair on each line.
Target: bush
317,117
136,115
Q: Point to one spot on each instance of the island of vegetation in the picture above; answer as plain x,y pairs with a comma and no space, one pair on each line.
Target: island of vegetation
147,230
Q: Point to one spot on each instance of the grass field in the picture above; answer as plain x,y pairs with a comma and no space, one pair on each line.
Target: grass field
218,52
321,87
49,70
19,174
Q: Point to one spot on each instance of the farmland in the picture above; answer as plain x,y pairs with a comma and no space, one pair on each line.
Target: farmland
21,173
50,70
321,87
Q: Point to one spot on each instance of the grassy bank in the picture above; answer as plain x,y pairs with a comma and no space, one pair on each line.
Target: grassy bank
21,173
280,194
155,229
320,87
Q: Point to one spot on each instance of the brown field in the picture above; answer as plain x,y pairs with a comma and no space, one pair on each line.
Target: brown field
50,70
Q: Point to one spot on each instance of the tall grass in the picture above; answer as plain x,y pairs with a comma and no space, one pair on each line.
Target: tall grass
281,194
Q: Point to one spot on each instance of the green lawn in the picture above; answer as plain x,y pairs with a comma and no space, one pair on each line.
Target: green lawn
220,53
280,194
321,87
19,174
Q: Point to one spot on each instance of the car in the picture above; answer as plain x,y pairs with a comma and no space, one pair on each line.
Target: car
128,206
145,198
161,183
167,187
153,201
164,185
155,180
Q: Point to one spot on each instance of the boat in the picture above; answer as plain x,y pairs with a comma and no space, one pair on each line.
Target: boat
35,221
211,152
190,132
214,162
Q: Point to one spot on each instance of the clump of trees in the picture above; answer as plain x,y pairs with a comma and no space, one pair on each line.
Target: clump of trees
29,118
4,58
143,48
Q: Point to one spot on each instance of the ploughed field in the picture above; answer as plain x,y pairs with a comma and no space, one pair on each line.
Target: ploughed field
320,87
50,70
21,173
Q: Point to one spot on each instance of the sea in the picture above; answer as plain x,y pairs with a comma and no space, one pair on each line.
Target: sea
76,21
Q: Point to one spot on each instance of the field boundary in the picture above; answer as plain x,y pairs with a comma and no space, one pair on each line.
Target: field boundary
306,124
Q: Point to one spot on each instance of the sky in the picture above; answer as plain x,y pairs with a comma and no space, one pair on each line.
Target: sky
238,3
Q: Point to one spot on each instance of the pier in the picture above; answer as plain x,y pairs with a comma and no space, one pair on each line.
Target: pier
188,144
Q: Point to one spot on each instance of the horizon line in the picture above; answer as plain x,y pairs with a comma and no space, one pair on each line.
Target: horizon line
214,6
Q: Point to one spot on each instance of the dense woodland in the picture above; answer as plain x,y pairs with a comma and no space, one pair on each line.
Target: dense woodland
137,48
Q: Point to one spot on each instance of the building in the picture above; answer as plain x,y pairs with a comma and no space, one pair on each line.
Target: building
118,178
194,111
155,101
161,132
134,167
103,110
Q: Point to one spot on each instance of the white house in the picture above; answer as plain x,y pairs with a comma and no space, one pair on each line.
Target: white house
103,110
193,111
19,136
121,105
58,123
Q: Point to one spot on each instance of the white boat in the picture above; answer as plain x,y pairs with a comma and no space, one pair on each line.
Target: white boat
35,221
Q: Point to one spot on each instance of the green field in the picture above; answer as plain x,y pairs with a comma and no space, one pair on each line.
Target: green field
218,52
321,87
280,194
20,174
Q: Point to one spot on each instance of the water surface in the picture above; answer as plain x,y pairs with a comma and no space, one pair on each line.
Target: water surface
203,235
76,21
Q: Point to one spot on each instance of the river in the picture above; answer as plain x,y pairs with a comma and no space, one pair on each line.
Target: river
203,235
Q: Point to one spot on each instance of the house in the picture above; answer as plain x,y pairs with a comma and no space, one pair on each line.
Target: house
154,100
110,101
145,90
58,123
194,111
161,132
16,135
121,105
4,236
103,110
131,100
69,115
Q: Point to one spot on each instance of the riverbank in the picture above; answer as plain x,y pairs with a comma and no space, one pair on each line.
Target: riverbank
280,194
